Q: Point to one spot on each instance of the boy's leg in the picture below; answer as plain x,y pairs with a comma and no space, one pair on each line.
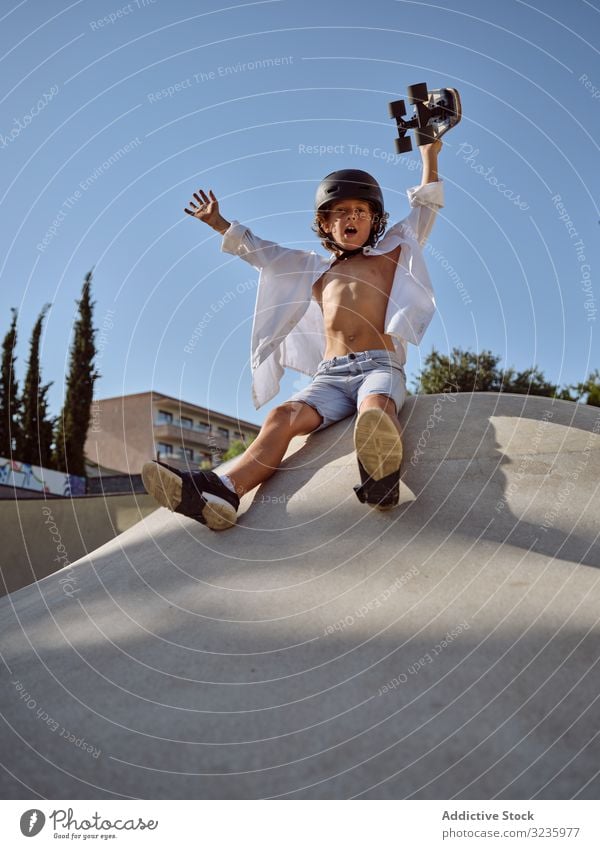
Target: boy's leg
378,444
299,415
378,438
263,456
378,434
204,496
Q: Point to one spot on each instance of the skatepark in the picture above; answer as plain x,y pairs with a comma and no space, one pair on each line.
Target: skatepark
322,649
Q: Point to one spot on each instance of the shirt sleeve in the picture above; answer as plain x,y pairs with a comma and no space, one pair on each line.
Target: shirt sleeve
425,202
241,241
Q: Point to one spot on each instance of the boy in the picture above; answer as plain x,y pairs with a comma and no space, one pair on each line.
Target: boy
345,321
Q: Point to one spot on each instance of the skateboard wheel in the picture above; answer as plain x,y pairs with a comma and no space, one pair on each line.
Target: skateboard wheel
417,93
396,109
403,145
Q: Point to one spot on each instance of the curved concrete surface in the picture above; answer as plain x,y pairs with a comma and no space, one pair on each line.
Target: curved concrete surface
42,535
321,649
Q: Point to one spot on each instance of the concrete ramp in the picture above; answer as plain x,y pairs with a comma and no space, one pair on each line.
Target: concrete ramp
40,536
321,649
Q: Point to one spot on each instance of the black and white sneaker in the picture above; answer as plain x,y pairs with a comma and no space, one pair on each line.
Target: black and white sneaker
379,453
200,495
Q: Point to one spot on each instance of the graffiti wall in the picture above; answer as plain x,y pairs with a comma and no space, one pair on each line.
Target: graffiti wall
26,476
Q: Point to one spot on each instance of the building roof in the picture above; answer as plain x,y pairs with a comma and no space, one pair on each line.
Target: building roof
204,410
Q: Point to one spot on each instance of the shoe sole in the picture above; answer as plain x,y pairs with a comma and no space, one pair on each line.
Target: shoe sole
378,445
165,487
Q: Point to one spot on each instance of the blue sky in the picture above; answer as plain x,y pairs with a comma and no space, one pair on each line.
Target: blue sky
97,166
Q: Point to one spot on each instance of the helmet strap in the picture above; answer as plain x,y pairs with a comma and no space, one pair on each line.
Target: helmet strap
347,255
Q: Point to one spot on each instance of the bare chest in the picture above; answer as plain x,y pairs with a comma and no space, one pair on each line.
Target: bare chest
357,278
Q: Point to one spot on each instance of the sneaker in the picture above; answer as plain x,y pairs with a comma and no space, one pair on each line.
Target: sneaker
379,454
200,495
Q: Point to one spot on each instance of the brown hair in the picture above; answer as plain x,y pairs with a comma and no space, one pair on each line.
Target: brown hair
377,229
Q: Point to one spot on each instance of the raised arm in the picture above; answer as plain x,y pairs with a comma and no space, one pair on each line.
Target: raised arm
241,241
429,155
427,198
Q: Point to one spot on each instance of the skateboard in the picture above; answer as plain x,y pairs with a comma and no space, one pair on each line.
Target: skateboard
436,112
379,454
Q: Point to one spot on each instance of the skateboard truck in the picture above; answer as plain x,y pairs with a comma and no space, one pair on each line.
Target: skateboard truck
436,112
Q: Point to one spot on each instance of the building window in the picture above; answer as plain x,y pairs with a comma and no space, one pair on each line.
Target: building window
164,417
186,422
165,449
223,432
239,435
186,453
204,427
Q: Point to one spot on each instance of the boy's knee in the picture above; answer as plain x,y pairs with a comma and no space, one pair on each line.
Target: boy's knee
380,401
283,414
295,417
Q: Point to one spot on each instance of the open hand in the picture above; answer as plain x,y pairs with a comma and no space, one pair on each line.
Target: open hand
207,209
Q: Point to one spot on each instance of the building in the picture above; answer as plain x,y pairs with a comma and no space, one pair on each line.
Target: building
127,431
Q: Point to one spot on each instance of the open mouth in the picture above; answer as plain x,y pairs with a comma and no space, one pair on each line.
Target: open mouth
350,231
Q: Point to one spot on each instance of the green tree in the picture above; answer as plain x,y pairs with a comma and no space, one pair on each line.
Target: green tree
462,371
531,381
591,388
34,442
74,419
9,393
236,447
465,371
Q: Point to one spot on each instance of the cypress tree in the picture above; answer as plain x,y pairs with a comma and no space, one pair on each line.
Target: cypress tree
74,420
9,393
34,444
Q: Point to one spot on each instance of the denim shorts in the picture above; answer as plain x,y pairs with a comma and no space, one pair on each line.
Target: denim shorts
340,385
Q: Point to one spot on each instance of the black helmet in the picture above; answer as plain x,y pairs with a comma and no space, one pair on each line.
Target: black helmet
349,183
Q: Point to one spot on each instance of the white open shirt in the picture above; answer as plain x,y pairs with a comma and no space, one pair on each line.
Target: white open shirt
288,329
